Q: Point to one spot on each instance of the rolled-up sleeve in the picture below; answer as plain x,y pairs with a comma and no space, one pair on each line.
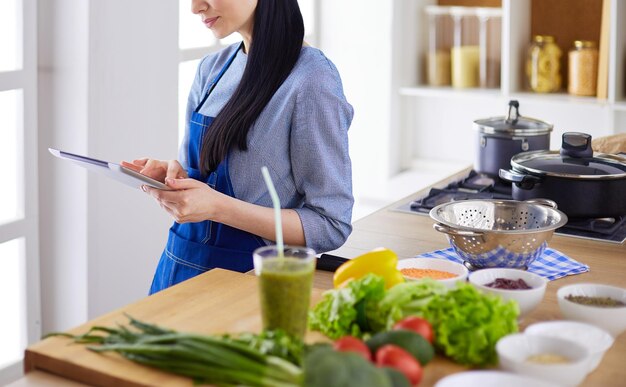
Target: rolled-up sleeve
320,160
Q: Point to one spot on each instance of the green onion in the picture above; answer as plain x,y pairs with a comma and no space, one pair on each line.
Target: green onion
205,359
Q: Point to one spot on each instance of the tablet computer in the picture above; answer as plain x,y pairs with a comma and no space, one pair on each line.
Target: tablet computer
113,170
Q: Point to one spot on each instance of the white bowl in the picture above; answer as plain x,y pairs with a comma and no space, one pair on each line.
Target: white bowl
491,379
514,351
436,264
596,340
612,320
527,299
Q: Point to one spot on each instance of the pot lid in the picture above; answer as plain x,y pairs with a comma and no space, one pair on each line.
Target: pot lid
513,124
552,163
575,160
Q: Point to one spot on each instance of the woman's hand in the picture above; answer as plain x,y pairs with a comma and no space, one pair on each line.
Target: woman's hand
157,169
190,201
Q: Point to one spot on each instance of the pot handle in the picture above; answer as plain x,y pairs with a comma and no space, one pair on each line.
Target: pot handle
447,230
521,180
576,145
543,202
513,114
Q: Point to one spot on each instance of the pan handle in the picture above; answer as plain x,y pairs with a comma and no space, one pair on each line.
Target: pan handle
447,230
521,180
544,202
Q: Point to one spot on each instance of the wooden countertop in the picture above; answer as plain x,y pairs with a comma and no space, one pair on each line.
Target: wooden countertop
221,301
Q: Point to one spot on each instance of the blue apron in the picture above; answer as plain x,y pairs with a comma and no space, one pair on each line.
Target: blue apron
193,248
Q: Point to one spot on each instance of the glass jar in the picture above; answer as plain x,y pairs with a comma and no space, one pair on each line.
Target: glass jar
465,49
583,68
543,66
439,45
489,39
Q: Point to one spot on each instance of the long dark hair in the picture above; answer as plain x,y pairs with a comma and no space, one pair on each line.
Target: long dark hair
277,37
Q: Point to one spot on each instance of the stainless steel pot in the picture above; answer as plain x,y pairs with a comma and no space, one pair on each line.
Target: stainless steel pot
500,138
583,183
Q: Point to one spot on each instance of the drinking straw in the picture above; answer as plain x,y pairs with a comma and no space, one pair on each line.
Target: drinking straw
276,203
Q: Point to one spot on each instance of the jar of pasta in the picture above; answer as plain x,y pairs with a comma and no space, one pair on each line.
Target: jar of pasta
542,65
583,68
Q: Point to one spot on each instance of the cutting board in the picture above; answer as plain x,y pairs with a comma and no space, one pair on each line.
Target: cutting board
217,301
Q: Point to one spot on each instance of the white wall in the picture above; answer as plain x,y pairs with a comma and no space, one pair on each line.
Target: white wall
108,88
356,36
63,53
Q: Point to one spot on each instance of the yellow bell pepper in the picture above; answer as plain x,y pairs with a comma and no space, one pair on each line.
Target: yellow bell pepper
381,262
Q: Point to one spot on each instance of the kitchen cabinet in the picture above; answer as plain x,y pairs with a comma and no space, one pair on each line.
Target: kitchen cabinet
436,122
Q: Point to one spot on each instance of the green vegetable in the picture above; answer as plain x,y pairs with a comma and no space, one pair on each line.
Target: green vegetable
396,377
275,343
411,342
325,367
206,359
344,311
403,300
468,324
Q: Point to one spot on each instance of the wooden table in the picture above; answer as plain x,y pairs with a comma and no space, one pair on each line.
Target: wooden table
222,301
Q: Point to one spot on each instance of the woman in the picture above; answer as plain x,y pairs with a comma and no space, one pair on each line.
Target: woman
268,101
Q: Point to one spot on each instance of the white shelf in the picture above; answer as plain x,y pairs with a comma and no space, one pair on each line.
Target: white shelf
449,92
430,91
620,106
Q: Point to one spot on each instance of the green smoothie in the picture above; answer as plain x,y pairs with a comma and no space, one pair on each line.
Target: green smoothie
285,285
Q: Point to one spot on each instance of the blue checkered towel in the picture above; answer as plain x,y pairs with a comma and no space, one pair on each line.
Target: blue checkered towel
551,264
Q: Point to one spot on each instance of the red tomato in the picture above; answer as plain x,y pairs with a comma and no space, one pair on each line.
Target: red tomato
417,325
393,356
352,344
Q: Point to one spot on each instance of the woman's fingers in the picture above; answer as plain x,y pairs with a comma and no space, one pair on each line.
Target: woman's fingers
141,162
175,170
130,166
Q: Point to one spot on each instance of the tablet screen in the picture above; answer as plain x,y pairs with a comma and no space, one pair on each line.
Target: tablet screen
112,170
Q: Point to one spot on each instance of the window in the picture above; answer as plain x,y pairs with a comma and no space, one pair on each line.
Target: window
19,288
195,41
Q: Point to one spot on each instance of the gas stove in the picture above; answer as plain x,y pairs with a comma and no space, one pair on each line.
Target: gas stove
478,186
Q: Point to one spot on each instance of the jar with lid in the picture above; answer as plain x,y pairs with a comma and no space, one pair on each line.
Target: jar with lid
542,65
583,68
440,29
489,41
465,48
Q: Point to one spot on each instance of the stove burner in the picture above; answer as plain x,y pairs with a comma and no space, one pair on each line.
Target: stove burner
439,196
606,226
479,186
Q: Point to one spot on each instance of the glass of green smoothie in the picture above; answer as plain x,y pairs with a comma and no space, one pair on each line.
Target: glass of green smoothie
285,282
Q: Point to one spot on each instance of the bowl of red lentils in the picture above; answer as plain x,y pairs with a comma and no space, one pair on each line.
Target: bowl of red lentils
444,271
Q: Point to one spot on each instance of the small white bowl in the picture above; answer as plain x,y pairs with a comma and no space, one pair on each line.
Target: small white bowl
514,351
491,379
612,320
596,340
436,264
527,299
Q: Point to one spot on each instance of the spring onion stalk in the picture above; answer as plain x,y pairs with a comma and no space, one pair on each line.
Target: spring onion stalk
276,203
205,359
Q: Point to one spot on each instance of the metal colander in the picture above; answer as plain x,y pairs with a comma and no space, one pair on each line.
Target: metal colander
498,233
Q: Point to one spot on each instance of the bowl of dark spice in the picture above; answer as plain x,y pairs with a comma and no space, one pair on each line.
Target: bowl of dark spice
597,304
525,288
